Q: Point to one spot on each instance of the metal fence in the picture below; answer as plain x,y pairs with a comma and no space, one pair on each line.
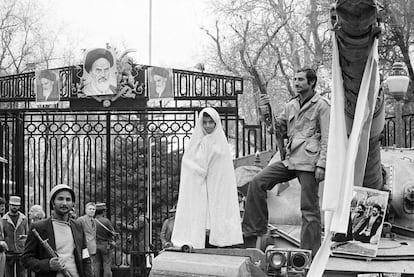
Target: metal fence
389,133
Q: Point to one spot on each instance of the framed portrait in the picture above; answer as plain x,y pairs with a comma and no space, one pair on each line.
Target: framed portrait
366,220
160,83
47,87
99,73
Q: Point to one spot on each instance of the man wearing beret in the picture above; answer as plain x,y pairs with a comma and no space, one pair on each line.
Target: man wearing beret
47,87
66,237
100,78
15,228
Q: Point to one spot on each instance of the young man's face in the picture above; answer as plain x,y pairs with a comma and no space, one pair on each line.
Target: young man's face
14,208
90,210
375,211
2,208
63,203
301,83
208,124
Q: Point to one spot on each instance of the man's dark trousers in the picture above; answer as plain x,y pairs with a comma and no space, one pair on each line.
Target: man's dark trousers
256,214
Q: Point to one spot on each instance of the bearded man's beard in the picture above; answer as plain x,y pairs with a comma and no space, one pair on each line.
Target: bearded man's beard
47,92
102,85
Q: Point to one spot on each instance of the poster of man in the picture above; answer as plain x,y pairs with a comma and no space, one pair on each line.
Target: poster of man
47,87
368,209
99,73
160,83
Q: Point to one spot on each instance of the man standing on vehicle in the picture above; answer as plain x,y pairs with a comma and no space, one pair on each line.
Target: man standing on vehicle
305,122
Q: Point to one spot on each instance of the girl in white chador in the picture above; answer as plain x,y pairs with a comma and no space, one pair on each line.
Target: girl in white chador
208,192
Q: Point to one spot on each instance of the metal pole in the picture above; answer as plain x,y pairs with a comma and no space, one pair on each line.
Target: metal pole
149,204
399,124
149,199
150,34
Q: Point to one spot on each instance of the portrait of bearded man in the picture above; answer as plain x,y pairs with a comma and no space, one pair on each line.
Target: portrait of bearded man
160,83
99,73
47,87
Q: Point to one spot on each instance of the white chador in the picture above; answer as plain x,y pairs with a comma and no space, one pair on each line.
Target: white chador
208,192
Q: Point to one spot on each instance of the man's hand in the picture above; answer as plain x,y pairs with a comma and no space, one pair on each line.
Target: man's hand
264,99
319,174
3,246
56,264
270,129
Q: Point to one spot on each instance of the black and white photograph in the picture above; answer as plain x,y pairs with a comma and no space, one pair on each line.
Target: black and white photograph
245,138
368,208
47,87
160,83
99,73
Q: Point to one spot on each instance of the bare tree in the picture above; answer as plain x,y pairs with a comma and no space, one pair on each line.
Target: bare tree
266,40
26,39
398,28
396,38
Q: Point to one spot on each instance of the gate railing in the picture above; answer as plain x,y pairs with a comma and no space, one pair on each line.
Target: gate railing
390,132
196,88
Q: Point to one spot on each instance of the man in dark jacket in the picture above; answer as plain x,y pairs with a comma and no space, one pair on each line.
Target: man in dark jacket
104,241
15,229
370,226
66,237
167,228
3,244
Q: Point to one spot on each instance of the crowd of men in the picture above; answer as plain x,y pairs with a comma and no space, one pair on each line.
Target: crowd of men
60,245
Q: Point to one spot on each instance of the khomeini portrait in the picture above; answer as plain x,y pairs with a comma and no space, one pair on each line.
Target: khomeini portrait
47,87
99,73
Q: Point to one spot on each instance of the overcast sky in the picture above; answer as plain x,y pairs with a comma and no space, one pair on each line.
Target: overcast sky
177,40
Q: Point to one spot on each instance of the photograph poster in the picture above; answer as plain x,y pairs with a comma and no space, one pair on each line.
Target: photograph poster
368,208
160,83
99,73
47,87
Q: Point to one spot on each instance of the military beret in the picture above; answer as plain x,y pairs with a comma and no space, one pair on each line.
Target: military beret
100,206
15,200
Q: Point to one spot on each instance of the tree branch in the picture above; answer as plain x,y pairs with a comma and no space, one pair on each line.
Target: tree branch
216,40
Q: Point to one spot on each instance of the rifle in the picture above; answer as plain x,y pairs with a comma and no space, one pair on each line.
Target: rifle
266,112
50,251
